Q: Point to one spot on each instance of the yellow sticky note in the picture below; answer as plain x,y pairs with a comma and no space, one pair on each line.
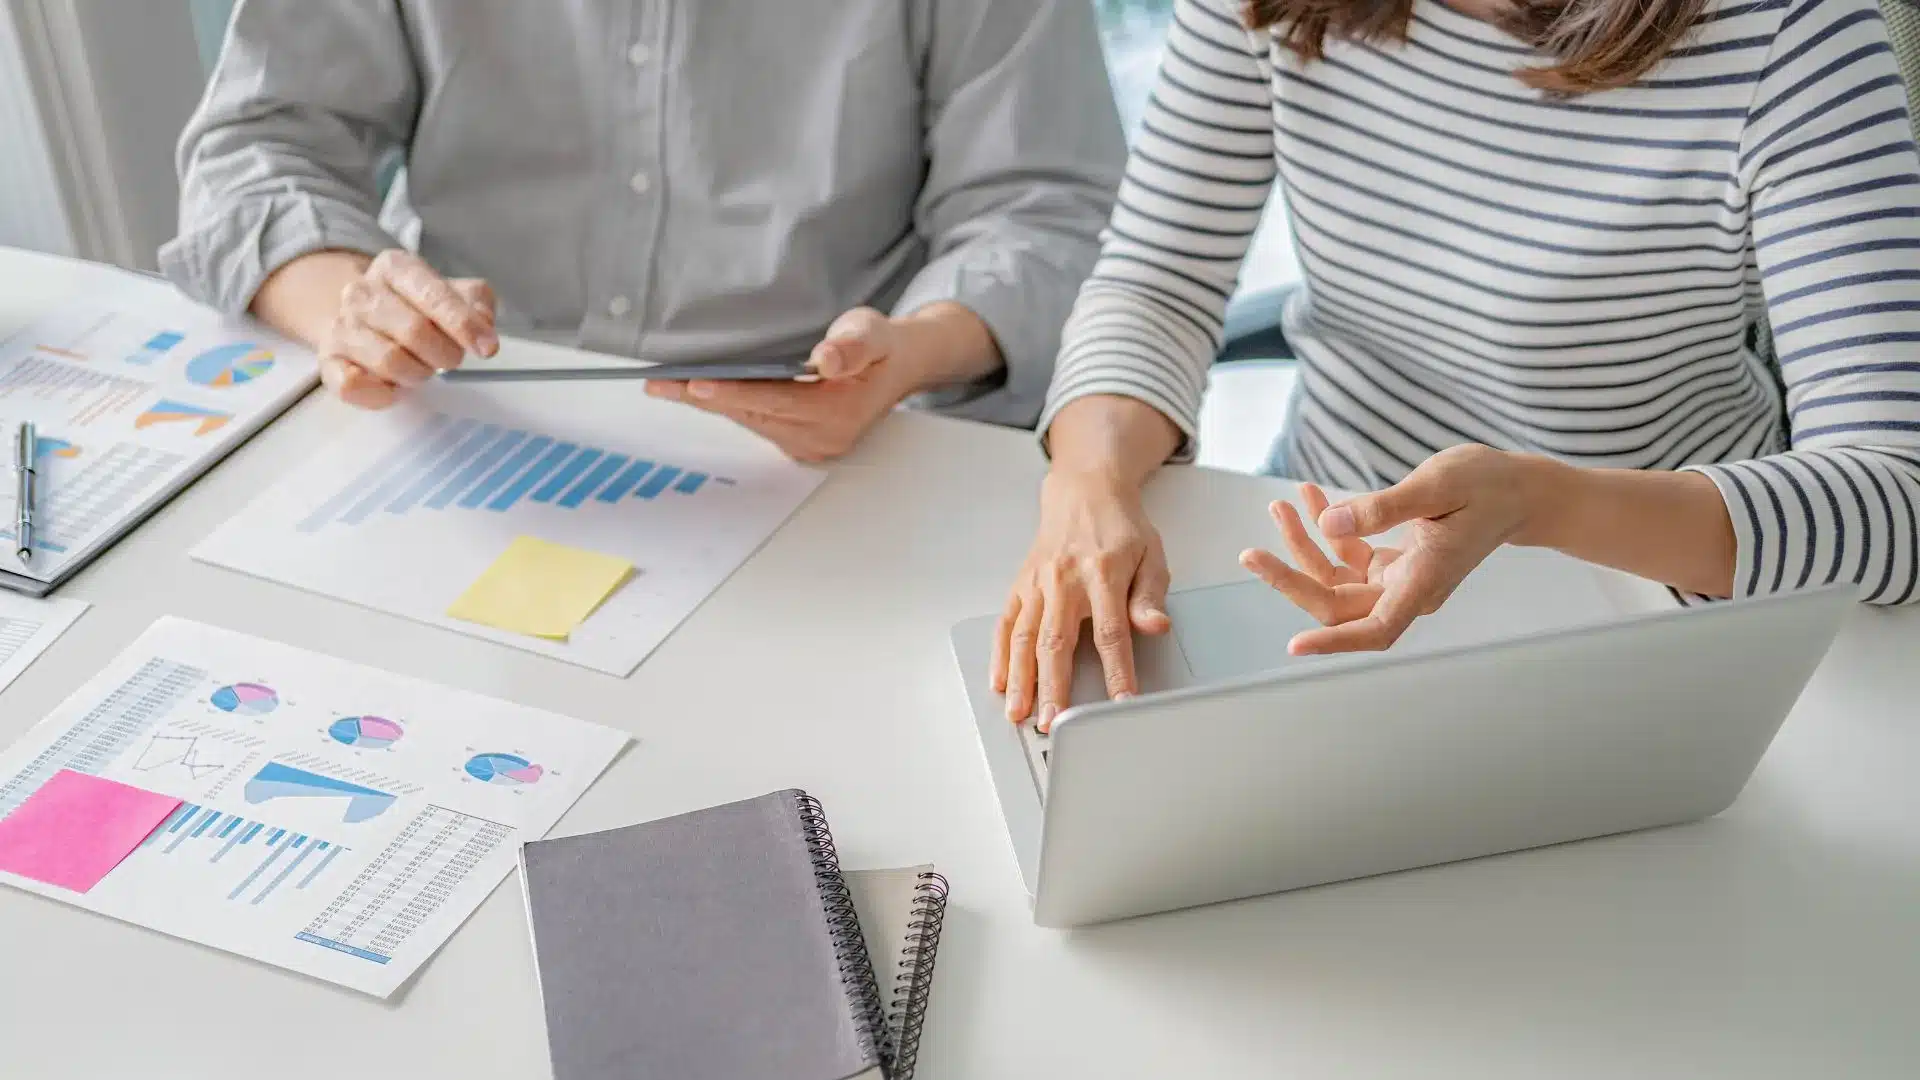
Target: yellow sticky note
541,588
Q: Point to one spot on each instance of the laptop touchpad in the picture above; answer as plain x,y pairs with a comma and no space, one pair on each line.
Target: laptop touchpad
1158,665
1232,630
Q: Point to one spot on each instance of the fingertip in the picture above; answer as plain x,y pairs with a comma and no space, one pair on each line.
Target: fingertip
1337,522
828,361
1151,621
486,343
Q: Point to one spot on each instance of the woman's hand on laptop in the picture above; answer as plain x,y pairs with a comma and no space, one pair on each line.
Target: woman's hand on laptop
1460,505
1095,555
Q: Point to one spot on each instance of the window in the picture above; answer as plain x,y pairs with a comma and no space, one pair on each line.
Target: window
1133,32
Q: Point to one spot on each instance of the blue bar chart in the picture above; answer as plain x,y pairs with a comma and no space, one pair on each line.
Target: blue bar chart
466,464
253,860
414,507
155,348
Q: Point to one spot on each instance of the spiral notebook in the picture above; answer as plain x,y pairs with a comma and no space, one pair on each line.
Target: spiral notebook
726,944
901,913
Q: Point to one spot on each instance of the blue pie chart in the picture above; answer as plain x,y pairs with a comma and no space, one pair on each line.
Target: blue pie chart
247,699
505,770
366,732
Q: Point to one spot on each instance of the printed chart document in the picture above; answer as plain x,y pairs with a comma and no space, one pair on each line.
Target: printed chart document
415,505
335,820
28,627
134,393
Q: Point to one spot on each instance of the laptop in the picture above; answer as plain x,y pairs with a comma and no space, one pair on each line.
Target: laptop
1514,724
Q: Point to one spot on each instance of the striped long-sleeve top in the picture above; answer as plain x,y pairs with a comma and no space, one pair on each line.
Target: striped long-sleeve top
1572,276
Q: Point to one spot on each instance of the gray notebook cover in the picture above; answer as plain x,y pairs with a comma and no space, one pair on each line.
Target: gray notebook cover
693,948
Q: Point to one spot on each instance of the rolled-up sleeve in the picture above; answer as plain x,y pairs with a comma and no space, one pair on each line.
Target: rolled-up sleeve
280,159
1024,153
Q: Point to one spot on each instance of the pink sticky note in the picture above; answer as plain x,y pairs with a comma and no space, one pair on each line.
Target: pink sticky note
77,827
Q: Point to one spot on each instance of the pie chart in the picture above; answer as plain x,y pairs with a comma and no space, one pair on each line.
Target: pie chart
247,699
507,770
366,732
229,365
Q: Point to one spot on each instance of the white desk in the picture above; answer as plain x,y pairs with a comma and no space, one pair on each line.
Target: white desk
1781,939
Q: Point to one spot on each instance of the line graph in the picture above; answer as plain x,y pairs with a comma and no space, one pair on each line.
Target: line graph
181,751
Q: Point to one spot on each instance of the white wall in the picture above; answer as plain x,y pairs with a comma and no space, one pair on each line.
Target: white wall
112,83
32,211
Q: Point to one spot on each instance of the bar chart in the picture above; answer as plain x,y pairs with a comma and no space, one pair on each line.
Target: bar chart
412,507
467,464
249,861
155,348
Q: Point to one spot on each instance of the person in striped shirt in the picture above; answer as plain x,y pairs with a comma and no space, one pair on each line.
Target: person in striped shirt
1537,236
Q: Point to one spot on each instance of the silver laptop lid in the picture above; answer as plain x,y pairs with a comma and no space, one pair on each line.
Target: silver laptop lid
1366,765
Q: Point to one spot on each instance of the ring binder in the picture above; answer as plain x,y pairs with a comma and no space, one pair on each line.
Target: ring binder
849,946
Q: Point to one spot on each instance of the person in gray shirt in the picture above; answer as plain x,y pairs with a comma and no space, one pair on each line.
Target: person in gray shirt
908,192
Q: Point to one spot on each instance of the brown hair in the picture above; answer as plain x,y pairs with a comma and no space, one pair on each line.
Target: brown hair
1596,44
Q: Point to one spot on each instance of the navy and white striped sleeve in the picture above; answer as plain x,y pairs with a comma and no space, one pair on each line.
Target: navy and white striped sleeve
1834,187
1148,323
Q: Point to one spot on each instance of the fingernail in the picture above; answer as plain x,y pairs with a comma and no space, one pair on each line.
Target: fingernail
1124,695
1047,713
488,342
1337,521
703,389
1014,712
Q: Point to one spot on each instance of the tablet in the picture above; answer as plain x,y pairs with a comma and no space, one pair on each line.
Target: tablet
719,371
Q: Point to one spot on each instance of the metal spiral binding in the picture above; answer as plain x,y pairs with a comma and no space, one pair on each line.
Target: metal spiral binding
849,945
913,983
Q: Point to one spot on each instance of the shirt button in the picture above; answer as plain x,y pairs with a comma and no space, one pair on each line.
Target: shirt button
639,54
640,183
619,306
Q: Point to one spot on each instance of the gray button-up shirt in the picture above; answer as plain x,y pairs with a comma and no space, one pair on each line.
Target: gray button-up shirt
674,179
